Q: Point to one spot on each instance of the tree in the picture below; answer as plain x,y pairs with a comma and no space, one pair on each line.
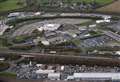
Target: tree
2,0
31,2
21,2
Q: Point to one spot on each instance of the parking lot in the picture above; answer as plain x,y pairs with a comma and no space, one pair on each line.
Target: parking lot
32,71
97,41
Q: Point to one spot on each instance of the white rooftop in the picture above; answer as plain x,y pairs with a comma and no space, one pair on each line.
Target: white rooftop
2,59
62,67
49,27
87,35
97,75
54,75
45,42
40,71
118,52
94,25
38,65
101,21
37,13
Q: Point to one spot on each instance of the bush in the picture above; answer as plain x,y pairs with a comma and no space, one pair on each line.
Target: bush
20,39
4,42
21,47
8,74
2,0
3,66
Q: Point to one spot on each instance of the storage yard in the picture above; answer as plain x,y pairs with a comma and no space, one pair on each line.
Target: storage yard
59,41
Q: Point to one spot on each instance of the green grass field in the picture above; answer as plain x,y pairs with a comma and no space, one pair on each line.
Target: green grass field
9,5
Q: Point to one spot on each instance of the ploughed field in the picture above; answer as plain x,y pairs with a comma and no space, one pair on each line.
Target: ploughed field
111,8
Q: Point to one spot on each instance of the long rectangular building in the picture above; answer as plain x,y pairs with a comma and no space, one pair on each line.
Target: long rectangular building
97,76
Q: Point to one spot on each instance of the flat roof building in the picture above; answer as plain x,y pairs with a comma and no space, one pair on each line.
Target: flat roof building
40,71
49,27
97,76
54,76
